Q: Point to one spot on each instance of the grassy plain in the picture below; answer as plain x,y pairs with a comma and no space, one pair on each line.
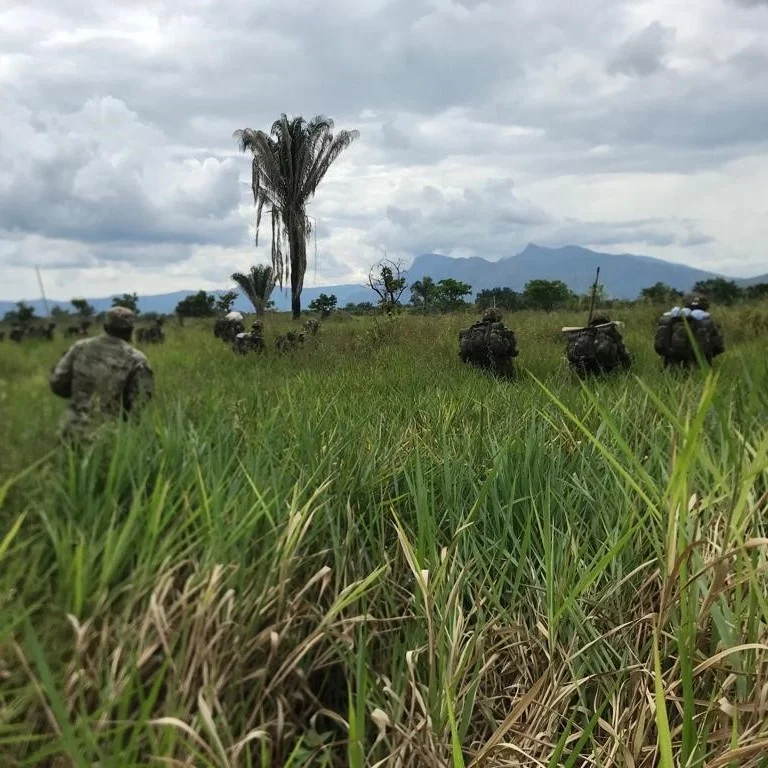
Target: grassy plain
365,553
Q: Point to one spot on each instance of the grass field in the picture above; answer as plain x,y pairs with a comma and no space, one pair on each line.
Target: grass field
367,554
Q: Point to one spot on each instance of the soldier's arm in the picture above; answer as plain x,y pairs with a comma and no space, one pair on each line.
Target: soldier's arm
61,376
140,386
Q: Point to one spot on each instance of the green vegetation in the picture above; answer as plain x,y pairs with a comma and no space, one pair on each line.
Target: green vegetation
366,553
200,304
324,304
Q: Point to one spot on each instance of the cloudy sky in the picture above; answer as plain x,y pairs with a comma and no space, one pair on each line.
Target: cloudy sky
623,125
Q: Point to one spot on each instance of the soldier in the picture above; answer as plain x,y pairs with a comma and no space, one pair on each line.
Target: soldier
16,334
312,326
47,331
103,377
289,341
489,345
597,349
227,327
677,328
253,341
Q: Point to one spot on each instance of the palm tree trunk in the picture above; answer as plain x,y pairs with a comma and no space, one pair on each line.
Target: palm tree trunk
298,256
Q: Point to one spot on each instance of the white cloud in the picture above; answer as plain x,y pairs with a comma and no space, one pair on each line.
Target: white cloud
623,125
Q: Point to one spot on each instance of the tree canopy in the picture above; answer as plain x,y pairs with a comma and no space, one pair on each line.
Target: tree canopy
257,285
287,167
127,300
324,304
547,294
83,308
200,304
226,301
719,290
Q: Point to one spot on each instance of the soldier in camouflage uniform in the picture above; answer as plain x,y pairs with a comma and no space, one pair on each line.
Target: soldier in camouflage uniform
312,326
290,341
253,341
227,327
672,340
597,349
489,345
103,377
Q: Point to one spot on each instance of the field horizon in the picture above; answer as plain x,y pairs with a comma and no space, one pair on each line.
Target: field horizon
365,553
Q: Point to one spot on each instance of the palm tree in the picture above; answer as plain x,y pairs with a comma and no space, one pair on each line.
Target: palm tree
257,285
288,165
423,291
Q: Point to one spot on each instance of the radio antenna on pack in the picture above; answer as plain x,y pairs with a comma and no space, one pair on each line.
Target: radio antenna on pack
594,296
42,291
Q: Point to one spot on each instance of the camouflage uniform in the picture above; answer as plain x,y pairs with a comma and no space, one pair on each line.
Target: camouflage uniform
312,326
227,327
597,349
289,341
489,345
103,377
249,342
672,340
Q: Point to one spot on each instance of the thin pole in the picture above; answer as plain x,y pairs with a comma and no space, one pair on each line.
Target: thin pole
42,291
594,296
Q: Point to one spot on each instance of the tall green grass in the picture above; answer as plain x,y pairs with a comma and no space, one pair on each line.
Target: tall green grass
365,553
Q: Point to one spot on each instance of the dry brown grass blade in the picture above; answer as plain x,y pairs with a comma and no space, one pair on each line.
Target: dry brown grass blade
520,707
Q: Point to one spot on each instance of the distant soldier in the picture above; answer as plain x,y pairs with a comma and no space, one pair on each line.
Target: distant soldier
253,341
227,327
312,326
103,377
489,345
47,331
684,330
289,341
597,348
154,334
16,334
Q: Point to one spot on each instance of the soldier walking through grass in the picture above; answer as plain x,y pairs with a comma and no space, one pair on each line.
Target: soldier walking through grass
597,348
104,377
489,345
686,330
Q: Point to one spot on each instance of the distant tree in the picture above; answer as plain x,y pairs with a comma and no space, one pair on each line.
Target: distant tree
82,308
360,308
423,292
288,165
661,293
451,293
503,298
387,279
59,313
547,294
127,300
200,304
719,290
226,301
757,291
257,285
23,315
324,304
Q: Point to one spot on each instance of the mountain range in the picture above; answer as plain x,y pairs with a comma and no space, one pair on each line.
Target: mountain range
623,275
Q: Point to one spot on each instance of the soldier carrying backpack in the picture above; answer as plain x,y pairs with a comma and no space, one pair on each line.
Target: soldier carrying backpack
596,349
489,345
683,331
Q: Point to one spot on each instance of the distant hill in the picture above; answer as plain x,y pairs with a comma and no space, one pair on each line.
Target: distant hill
623,275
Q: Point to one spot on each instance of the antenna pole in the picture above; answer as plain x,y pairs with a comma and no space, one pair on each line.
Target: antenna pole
42,291
594,296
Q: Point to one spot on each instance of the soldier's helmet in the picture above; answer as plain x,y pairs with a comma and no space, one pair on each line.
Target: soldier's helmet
491,315
697,301
119,319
